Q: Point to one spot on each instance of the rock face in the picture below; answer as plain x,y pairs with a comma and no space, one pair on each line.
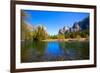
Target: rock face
84,24
60,31
30,27
77,26
63,30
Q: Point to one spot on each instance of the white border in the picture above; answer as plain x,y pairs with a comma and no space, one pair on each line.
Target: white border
20,65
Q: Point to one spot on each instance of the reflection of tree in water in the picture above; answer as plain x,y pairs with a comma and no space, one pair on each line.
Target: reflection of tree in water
85,51
39,46
32,51
26,48
75,50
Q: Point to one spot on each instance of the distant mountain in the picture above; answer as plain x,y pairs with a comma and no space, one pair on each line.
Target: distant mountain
84,24
77,26
63,30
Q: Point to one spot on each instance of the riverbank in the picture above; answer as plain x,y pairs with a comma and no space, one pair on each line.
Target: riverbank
70,39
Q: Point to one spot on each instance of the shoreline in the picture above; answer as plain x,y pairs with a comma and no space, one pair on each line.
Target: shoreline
75,39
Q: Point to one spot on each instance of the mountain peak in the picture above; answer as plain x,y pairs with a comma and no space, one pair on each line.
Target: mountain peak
77,26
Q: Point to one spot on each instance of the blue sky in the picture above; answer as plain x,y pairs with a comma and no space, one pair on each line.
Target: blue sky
52,20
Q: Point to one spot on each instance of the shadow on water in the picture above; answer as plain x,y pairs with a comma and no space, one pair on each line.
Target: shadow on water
34,51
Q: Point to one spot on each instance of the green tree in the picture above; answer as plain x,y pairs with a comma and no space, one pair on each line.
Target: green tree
41,33
84,33
67,35
72,35
61,36
53,36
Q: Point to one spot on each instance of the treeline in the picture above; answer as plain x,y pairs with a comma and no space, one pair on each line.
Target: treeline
67,35
41,34
79,34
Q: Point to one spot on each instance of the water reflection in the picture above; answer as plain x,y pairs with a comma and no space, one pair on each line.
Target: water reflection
54,51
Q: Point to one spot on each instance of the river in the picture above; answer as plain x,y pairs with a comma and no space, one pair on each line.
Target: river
54,51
